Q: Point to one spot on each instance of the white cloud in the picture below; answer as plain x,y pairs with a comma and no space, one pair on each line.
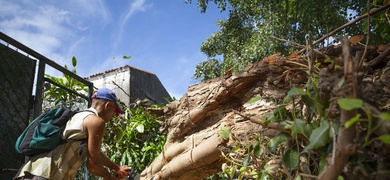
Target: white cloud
74,45
10,8
137,5
51,27
83,11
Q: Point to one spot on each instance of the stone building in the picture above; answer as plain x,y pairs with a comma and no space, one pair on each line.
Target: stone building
132,84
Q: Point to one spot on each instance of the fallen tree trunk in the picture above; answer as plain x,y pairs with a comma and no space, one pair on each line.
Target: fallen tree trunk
193,148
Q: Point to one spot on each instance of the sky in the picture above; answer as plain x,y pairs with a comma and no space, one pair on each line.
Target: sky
161,36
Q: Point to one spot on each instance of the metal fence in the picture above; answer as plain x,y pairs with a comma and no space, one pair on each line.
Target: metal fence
21,96
16,79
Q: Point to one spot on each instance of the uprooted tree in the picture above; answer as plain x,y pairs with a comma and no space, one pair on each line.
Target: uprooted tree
318,129
319,113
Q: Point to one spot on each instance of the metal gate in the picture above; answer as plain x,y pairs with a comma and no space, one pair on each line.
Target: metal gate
16,84
21,96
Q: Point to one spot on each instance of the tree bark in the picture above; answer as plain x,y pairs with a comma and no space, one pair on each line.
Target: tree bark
345,145
193,147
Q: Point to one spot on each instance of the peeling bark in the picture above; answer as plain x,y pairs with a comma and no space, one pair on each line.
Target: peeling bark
193,148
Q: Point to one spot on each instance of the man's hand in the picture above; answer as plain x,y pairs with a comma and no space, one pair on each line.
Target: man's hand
122,172
125,169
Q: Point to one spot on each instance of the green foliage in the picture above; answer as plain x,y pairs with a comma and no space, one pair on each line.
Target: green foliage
58,95
224,133
379,26
350,104
274,143
248,34
352,121
320,136
248,161
300,127
134,139
385,116
255,99
291,159
126,57
306,119
385,139
208,69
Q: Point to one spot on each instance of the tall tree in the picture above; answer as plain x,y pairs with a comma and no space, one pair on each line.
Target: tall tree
250,32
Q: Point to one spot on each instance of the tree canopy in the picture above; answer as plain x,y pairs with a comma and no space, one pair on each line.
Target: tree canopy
255,29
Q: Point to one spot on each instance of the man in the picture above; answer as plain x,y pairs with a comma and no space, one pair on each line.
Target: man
64,161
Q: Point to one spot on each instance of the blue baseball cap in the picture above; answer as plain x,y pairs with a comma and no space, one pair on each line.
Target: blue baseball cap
107,94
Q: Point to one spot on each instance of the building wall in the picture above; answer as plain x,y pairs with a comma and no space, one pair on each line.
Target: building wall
131,84
147,86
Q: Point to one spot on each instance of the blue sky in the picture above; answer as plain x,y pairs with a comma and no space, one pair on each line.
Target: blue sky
162,37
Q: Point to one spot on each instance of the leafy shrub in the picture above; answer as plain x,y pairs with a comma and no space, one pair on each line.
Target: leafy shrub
134,139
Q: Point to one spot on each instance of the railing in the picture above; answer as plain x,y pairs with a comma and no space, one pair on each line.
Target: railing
40,77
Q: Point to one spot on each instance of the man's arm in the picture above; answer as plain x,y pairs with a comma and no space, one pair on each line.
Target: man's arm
112,165
108,163
95,128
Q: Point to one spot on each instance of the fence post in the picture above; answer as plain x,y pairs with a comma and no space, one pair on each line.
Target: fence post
39,89
90,91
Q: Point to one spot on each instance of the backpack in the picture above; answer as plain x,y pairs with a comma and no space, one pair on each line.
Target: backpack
44,133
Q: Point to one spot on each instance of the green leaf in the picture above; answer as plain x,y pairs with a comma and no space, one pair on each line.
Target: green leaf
126,57
124,156
309,129
287,99
352,121
249,149
119,136
230,172
309,102
291,159
385,116
341,82
224,133
140,128
246,160
257,150
385,138
255,99
327,60
320,136
128,158
269,168
269,118
350,103
298,127
323,163
296,91
280,113
74,61
276,140
236,148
